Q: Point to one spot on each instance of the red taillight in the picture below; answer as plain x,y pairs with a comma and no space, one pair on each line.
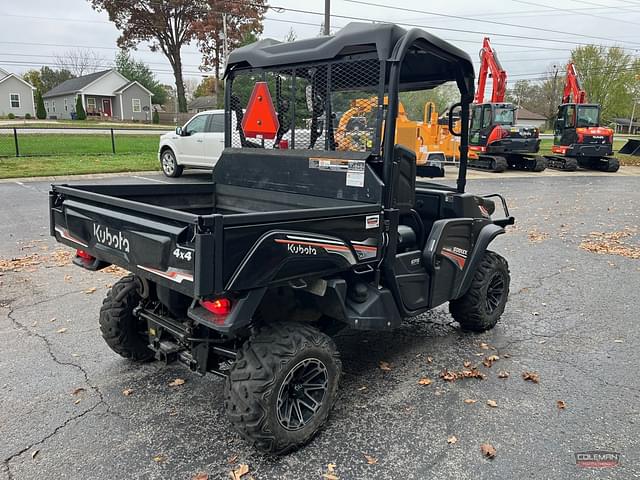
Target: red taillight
84,255
221,307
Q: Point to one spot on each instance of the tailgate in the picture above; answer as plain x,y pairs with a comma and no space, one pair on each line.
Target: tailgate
169,251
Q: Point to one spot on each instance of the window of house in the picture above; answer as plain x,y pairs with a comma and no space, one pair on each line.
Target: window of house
46,106
136,105
91,104
53,106
15,100
66,107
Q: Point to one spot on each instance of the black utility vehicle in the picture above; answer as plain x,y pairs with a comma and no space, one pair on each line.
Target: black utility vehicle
249,275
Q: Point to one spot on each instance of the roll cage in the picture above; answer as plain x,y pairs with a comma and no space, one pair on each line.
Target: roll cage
310,78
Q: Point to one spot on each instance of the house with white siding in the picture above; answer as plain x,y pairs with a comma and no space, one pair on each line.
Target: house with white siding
107,94
16,95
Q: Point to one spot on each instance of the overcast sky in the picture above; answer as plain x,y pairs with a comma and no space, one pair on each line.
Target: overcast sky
34,31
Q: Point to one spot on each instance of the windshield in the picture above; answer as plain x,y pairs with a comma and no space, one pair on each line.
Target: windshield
503,116
588,116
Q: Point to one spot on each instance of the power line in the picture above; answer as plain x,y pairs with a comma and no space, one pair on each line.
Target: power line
492,22
573,12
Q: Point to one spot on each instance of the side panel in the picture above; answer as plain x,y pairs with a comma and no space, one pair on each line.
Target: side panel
259,255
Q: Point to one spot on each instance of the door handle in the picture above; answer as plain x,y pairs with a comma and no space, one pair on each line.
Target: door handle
199,140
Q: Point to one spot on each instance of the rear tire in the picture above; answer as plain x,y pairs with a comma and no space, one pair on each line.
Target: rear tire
169,164
482,305
124,333
282,386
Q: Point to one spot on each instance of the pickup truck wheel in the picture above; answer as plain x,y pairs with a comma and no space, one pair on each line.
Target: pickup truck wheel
282,386
480,308
124,333
169,164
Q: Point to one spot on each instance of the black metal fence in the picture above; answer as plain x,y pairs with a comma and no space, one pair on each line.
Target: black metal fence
54,141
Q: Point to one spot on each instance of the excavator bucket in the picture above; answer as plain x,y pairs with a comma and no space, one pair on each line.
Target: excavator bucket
632,147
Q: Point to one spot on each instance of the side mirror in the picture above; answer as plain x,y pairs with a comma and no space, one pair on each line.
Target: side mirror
451,120
179,131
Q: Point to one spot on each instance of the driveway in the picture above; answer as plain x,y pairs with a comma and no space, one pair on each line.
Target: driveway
572,319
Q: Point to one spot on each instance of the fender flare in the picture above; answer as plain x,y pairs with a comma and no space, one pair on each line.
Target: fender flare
485,237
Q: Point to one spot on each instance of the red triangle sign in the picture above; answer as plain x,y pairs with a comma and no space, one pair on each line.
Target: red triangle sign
260,119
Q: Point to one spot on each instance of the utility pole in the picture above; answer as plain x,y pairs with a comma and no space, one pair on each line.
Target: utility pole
327,17
633,112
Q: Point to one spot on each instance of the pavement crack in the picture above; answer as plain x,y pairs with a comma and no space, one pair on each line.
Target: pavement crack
80,368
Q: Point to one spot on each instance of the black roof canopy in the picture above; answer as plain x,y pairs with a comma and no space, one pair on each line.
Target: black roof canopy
427,61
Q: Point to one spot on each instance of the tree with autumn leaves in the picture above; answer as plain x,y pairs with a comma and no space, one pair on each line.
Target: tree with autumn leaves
169,25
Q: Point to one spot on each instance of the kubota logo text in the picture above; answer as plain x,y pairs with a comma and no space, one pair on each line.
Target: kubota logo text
301,249
110,238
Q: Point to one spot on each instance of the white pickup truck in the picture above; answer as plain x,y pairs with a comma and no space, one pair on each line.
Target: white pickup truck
198,144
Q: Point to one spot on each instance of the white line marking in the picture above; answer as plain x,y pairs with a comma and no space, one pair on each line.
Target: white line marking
150,179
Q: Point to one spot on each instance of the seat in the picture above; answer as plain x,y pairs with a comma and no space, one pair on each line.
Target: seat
406,238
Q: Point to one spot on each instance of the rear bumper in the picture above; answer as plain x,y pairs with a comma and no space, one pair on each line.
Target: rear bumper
581,150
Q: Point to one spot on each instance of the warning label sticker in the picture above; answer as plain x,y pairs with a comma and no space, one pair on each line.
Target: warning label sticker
355,173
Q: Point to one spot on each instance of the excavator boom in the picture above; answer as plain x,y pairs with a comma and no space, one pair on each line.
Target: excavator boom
573,87
490,65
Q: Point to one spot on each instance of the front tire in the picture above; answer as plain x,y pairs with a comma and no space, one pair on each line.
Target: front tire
124,333
282,386
482,305
169,164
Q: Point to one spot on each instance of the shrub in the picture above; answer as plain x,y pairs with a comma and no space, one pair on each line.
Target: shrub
41,112
156,117
11,116
27,116
80,113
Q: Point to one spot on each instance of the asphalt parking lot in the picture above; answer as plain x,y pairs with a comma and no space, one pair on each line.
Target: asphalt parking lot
572,318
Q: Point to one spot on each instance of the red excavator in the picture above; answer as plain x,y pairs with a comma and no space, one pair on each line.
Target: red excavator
495,142
578,138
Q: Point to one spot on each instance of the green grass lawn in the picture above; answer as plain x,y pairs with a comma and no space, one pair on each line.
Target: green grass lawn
77,164
76,144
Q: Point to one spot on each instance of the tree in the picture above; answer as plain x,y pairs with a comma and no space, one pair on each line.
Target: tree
41,112
207,87
242,19
81,61
167,24
136,70
80,113
155,119
33,77
607,75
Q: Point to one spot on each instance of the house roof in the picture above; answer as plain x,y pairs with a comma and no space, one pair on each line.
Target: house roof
20,79
523,114
625,121
74,85
209,101
130,84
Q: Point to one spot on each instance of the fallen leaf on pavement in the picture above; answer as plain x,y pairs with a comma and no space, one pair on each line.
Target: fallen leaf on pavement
160,458
561,404
370,460
484,346
61,330
238,473
488,450
34,453
177,382
78,390
77,401
385,366
331,472
233,459
127,391
52,319
200,476
531,376
424,381
503,374
492,403
90,290
452,439
466,364
429,359
469,401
